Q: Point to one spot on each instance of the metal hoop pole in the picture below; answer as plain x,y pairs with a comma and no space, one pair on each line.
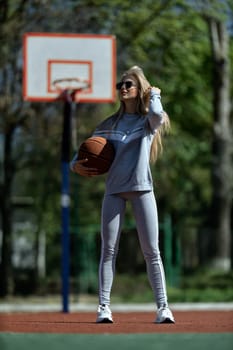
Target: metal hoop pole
65,198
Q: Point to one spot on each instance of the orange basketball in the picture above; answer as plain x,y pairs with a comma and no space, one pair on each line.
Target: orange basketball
99,152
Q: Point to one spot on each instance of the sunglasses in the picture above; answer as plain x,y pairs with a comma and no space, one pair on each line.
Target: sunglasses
127,84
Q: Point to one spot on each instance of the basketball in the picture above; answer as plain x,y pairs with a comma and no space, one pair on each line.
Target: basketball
99,152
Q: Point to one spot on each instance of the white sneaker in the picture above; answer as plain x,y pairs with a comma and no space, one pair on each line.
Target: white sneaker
104,314
164,315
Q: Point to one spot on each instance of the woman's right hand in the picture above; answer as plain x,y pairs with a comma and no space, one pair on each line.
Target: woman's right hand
79,168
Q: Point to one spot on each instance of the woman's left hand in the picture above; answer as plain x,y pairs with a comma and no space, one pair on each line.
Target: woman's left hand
156,90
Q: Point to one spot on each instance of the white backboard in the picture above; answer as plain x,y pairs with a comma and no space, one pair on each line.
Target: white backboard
53,56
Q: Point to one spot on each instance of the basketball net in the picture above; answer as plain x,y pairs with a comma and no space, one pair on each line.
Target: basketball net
70,88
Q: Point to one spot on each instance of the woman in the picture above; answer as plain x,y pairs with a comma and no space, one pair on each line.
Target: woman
135,130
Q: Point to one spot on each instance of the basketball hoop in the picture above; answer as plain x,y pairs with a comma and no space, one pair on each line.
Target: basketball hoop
70,88
42,73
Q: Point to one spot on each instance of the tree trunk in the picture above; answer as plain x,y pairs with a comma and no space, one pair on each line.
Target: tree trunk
6,277
222,173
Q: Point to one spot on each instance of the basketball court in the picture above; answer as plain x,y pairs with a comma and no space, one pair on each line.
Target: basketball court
131,330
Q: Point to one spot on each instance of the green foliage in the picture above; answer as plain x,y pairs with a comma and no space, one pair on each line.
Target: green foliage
203,286
208,278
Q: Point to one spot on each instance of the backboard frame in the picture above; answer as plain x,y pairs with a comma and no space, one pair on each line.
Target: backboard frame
85,61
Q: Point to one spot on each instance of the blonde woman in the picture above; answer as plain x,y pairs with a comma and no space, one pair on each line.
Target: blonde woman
135,130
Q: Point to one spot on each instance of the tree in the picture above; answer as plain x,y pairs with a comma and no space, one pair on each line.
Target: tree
222,168
12,119
16,18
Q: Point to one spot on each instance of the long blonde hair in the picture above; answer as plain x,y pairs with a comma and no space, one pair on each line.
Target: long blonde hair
142,108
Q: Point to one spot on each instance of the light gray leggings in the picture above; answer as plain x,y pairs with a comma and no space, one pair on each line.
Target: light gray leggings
145,213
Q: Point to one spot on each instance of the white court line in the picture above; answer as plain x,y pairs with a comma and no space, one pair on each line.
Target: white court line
82,307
